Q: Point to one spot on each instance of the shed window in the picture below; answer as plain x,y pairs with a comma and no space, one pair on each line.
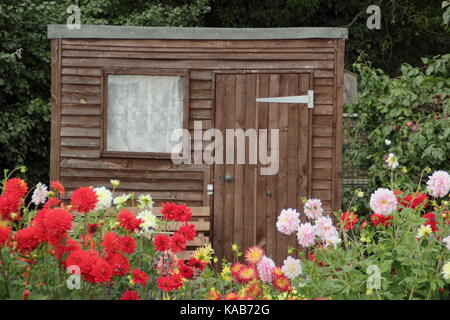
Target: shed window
142,112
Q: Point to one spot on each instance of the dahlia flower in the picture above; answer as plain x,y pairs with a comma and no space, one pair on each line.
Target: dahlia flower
148,223
177,243
5,233
139,277
291,268
332,237
447,241
288,221
128,221
424,231
187,230
306,234
282,284
39,194
121,201
323,224
145,201
392,161
246,274
383,201
84,199
265,268
130,295
438,184
254,254
104,197
313,208
56,185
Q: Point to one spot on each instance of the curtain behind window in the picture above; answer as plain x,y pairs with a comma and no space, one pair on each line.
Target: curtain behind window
143,111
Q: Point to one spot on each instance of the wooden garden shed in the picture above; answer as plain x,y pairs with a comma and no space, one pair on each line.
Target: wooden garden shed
118,91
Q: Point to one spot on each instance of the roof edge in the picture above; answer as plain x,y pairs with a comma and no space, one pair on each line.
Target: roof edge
130,32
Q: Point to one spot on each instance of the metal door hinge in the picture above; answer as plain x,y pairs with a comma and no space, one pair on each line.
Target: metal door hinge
308,99
210,189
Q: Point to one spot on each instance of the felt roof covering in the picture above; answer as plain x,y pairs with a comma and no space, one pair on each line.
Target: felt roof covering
129,32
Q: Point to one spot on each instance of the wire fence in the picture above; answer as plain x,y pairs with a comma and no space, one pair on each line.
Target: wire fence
354,171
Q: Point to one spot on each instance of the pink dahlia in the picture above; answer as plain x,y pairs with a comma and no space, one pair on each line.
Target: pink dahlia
306,234
288,221
323,225
265,268
313,208
383,201
439,184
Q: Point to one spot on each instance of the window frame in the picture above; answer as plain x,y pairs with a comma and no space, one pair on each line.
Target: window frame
104,108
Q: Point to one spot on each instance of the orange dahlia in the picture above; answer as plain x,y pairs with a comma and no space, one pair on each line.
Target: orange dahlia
282,283
235,268
253,289
246,274
254,254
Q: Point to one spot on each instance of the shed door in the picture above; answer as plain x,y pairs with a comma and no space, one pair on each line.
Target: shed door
246,208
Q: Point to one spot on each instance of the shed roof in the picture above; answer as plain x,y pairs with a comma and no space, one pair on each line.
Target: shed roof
128,32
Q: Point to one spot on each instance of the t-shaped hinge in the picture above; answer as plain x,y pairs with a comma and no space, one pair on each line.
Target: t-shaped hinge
308,99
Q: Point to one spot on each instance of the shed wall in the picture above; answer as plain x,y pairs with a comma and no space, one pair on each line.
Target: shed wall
77,66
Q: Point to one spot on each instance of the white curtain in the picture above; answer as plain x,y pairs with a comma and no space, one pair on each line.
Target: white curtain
143,111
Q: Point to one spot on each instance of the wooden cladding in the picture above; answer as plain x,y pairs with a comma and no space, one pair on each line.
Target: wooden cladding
272,66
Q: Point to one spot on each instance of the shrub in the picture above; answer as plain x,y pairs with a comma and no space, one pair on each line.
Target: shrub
411,112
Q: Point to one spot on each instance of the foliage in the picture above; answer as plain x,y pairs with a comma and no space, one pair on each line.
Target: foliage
410,29
411,111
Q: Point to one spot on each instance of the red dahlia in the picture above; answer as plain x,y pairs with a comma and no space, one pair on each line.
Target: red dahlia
16,186
139,277
56,185
92,228
57,222
177,243
9,204
349,219
128,221
413,200
377,219
169,210
161,242
186,271
26,240
197,264
84,199
119,264
4,235
187,230
129,295
430,221
127,244
183,214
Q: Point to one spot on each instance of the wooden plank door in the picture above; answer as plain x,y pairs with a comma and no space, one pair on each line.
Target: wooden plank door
245,209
